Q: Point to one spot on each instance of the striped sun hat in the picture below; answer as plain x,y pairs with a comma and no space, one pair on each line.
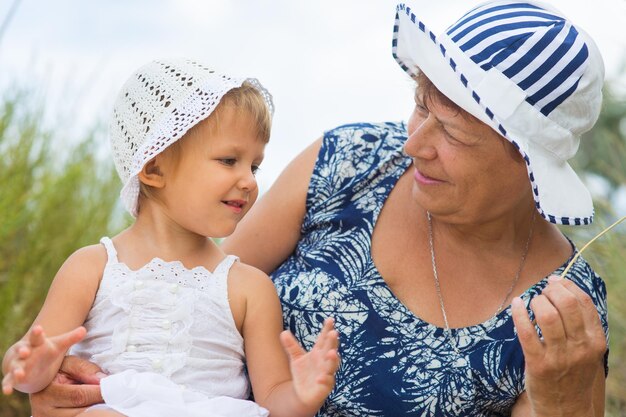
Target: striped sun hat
530,74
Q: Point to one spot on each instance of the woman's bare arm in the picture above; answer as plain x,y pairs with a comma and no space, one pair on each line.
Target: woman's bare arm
270,232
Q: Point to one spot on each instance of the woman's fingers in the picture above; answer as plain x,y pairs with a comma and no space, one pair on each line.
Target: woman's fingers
548,319
80,370
569,306
68,397
588,309
531,344
579,315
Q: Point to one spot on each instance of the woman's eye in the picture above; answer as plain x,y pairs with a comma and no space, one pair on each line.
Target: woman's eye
452,138
449,136
421,108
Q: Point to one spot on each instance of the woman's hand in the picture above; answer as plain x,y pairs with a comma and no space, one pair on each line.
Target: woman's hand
75,388
561,367
33,361
313,372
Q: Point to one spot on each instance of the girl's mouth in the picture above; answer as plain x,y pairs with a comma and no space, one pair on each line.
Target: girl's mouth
235,205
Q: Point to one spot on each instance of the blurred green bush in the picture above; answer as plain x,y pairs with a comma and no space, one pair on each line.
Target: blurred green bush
54,198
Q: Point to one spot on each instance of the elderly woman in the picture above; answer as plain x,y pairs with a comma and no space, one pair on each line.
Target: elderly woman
433,244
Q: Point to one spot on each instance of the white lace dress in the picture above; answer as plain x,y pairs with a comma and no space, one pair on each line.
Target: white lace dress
167,337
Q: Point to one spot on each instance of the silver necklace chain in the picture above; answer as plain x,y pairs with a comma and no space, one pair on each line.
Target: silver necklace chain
438,287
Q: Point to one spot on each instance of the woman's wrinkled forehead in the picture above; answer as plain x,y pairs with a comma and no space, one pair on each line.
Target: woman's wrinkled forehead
426,93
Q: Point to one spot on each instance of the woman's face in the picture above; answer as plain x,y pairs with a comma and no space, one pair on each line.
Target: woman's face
463,170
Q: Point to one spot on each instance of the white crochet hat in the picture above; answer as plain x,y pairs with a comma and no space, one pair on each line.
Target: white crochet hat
524,69
157,105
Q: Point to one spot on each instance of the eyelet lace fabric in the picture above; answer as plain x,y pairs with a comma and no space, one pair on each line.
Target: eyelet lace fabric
169,322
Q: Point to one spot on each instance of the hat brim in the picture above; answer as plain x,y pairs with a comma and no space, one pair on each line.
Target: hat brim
560,196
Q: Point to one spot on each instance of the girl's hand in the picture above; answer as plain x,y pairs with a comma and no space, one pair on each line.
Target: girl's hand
562,365
313,372
33,357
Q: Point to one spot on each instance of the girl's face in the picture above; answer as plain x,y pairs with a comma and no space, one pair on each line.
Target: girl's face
212,185
464,171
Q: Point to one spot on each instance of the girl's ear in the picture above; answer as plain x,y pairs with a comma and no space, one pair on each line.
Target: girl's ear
151,175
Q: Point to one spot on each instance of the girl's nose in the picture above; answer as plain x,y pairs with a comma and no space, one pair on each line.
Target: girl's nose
247,181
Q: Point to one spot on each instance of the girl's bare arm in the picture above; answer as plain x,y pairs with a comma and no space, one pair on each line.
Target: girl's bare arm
32,362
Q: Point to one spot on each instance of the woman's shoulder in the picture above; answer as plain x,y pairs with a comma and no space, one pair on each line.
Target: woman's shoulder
583,274
354,149
580,273
353,134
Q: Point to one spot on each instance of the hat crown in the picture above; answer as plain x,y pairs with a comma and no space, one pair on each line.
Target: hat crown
536,48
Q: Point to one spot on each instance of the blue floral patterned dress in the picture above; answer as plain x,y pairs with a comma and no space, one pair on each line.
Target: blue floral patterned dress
393,363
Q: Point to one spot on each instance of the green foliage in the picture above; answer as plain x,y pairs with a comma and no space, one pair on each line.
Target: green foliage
603,149
608,257
603,152
54,199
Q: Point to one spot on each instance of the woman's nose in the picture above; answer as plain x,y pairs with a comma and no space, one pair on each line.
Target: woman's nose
422,135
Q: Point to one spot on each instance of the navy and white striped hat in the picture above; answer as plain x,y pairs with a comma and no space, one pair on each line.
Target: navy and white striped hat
526,71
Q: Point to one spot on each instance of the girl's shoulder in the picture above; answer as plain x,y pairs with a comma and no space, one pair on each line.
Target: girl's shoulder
244,278
89,259
250,291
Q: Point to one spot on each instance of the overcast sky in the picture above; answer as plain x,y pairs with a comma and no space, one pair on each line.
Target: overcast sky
327,62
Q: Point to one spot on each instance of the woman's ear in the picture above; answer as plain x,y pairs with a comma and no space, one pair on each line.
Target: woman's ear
151,174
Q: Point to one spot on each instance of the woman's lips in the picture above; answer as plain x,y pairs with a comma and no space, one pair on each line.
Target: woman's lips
424,179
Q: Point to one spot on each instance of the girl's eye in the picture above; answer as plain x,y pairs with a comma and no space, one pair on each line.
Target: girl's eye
255,169
228,161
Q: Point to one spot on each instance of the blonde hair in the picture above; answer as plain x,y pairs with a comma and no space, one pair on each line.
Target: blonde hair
247,100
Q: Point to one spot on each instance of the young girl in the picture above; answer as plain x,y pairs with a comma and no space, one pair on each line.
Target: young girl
166,313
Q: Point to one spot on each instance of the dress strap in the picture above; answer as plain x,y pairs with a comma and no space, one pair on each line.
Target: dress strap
224,266
111,252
